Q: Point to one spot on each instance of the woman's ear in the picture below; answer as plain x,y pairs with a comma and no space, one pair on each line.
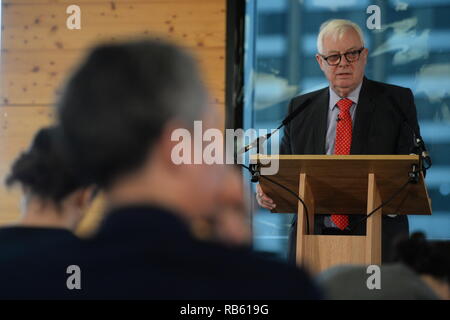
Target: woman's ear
81,199
87,196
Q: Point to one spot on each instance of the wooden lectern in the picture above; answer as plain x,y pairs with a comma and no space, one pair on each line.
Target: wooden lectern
343,184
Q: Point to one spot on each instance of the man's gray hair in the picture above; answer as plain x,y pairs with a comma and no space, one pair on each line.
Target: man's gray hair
337,27
118,102
187,96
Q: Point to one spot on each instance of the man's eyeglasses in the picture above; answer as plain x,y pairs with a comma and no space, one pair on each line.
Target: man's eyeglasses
335,59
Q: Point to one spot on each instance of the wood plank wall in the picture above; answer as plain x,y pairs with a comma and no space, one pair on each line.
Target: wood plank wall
38,51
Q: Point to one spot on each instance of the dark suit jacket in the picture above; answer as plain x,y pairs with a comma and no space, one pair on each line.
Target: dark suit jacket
149,253
34,261
377,128
143,252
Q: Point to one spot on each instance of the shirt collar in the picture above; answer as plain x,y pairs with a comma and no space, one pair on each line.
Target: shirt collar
354,96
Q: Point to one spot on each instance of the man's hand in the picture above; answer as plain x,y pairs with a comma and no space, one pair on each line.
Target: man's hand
263,200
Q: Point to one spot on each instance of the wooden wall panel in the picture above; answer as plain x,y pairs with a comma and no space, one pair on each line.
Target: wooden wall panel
36,76
43,26
38,52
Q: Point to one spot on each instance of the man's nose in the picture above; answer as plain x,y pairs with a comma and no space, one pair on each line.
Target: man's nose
343,62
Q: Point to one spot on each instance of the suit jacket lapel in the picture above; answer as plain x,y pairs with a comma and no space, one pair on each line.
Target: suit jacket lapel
320,115
363,118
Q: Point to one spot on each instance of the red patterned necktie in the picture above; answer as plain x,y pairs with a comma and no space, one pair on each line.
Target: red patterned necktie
342,146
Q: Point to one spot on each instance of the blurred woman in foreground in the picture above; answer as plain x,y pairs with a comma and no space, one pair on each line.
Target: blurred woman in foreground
53,201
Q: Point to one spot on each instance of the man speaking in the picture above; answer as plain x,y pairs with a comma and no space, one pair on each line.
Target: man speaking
354,115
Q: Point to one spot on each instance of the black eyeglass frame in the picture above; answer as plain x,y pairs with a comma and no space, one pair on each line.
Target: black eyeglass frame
358,51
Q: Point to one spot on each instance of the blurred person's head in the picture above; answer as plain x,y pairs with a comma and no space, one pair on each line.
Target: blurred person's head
118,112
341,55
52,196
430,259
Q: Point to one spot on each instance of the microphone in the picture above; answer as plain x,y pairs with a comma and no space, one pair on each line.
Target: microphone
419,145
286,120
255,143
254,169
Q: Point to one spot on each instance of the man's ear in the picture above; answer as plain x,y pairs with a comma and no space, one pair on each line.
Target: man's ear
365,53
319,61
173,138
